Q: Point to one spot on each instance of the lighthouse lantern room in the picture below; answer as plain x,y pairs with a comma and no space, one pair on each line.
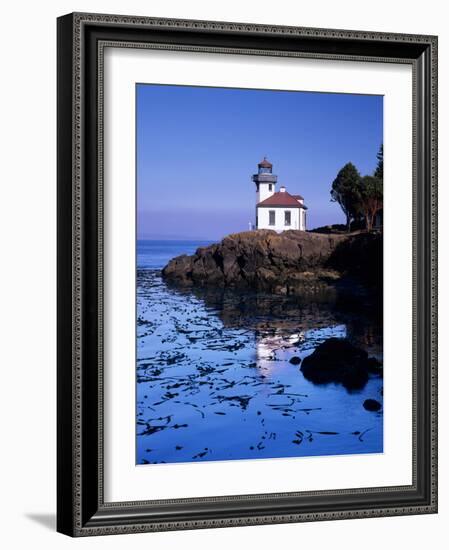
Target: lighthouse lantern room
265,180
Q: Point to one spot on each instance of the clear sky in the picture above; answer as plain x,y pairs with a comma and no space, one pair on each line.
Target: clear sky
197,149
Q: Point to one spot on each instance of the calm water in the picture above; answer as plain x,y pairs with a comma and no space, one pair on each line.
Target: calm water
214,381
156,254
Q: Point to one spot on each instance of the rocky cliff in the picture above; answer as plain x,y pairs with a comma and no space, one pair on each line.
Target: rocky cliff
293,262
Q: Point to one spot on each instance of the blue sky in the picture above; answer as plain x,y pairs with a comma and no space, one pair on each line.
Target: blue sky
197,149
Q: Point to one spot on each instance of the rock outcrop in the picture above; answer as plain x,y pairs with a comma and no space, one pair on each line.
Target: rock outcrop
372,405
337,360
293,262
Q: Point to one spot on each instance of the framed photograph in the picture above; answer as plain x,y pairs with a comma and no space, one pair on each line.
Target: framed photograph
246,274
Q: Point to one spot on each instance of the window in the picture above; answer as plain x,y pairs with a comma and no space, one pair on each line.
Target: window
287,217
272,217
270,187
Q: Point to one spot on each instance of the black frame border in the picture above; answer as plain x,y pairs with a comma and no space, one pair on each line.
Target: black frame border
81,510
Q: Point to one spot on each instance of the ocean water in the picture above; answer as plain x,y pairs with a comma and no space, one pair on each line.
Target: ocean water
214,378
156,254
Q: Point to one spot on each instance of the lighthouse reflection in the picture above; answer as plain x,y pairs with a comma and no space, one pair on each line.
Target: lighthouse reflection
285,326
283,349
270,348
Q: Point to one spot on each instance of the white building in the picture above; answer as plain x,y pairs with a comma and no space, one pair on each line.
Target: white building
276,210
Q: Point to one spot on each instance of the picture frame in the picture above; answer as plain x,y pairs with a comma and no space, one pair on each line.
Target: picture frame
81,507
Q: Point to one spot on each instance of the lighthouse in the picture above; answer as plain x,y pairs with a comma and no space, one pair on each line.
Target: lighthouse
279,211
265,180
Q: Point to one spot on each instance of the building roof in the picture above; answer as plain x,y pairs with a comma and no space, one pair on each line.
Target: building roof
299,197
265,163
282,199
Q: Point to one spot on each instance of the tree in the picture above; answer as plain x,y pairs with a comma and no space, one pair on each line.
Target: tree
370,198
345,191
379,171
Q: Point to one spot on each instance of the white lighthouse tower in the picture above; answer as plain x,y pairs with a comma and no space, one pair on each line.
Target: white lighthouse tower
265,181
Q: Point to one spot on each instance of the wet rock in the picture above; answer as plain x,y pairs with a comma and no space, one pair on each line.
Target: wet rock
337,360
182,267
374,366
361,256
295,360
291,263
372,405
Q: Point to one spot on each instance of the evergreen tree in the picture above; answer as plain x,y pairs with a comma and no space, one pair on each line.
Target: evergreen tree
370,198
379,171
346,191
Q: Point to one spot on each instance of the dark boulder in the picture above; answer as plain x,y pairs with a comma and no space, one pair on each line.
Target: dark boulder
295,360
372,405
360,256
337,360
374,366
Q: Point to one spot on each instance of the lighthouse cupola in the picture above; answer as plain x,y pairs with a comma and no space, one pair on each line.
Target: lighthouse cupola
265,167
265,180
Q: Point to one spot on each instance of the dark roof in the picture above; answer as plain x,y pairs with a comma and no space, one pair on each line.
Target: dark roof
283,199
298,197
265,163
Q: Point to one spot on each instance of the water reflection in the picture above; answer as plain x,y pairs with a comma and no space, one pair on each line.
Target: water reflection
217,376
275,318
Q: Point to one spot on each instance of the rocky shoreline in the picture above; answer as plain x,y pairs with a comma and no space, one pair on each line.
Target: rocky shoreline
290,263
